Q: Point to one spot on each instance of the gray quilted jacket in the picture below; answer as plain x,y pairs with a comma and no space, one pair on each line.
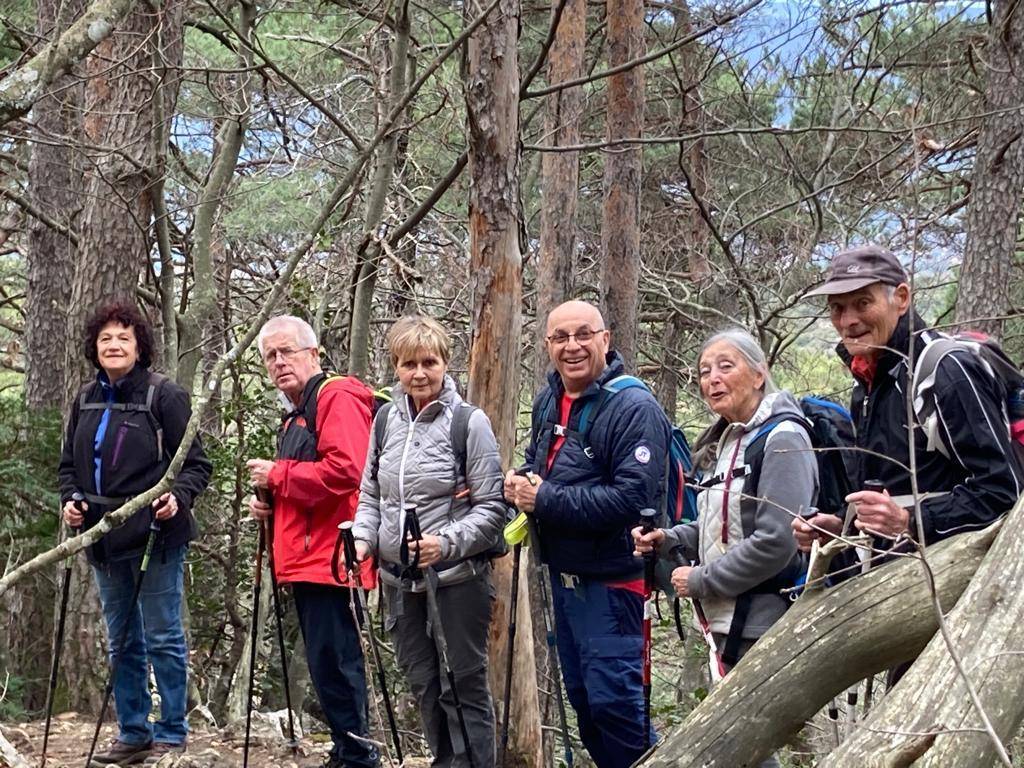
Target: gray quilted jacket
416,466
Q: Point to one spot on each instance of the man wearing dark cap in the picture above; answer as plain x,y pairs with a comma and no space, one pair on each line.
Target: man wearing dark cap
868,299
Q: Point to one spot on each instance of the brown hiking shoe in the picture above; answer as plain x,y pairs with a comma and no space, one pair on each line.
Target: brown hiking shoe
161,748
121,754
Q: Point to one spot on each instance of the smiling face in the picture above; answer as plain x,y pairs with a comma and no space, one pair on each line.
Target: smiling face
289,364
866,318
730,386
579,363
421,375
117,350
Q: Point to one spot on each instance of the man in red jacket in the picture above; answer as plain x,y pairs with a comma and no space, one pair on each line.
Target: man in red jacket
314,485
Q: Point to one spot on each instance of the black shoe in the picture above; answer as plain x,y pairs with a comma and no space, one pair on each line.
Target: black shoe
122,754
161,748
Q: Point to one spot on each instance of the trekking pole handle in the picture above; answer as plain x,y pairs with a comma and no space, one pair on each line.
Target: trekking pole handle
874,485
412,522
809,513
648,519
348,541
78,499
263,494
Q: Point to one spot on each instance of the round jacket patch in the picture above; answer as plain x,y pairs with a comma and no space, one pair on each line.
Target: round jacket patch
642,454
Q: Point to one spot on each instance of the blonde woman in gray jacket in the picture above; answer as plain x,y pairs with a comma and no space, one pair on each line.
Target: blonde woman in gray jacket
757,471
412,463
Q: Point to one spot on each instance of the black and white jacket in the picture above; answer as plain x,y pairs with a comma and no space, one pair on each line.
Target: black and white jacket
979,482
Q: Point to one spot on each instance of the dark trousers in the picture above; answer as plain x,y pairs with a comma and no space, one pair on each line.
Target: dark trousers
465,610
336,667
600,646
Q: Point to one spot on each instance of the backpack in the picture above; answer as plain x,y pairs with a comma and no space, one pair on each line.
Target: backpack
309,409
679,501
995,361
459,438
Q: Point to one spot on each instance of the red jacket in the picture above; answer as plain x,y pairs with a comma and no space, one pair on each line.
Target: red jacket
312,497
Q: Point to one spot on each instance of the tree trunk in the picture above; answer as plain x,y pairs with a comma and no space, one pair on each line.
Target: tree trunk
620,223
55,188
114,237
368,264
560,173
827,642
998,178
985,628
492,104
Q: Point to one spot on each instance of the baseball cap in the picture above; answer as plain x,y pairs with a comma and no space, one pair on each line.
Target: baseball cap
859,267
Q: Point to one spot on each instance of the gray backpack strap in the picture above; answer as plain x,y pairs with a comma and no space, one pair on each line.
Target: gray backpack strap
380,426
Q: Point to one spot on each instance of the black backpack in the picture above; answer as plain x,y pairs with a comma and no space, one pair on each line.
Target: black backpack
459,437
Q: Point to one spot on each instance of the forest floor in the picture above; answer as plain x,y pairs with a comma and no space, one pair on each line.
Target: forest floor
70,734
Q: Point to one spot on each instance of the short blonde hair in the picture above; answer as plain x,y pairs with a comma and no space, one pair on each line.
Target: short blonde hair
415,332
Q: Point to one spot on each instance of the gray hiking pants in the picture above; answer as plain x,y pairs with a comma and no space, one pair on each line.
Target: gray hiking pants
465,610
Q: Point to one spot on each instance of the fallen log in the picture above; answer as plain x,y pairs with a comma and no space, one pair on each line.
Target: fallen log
932,697
828,641
9,756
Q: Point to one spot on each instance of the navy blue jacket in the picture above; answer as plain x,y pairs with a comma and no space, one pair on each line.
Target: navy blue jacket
593,494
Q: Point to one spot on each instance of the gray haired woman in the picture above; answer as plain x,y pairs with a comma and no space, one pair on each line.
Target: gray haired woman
758,471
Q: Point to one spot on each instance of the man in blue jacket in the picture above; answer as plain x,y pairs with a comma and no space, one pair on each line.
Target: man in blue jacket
597,456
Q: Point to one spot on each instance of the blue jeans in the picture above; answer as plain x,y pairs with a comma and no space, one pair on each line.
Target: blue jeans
600,646
155,636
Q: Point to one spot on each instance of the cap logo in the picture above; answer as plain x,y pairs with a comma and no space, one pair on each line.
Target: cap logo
853,268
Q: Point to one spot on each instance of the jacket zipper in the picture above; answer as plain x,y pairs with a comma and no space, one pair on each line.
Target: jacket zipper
401,468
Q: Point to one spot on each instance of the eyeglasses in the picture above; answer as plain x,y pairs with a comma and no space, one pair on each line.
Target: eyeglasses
271,355
582,336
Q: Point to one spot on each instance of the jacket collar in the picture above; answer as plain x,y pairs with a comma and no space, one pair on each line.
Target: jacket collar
448,397
614,366
897,348
127,383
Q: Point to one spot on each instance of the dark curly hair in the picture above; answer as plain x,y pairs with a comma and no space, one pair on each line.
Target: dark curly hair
123,313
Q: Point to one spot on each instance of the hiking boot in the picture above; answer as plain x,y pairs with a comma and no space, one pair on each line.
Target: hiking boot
161,748
122,754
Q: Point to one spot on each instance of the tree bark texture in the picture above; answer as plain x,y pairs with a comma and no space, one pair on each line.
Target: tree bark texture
119,119
623,166
55,188
22,87
492,105
998,178
931,697
560,173
368,264
827,642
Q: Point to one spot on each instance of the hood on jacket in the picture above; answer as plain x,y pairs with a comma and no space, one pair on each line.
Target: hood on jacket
772,405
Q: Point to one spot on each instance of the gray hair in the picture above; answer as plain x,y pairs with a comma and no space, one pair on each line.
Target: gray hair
749,350
304,333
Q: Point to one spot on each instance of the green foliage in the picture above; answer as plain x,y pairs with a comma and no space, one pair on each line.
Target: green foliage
29,447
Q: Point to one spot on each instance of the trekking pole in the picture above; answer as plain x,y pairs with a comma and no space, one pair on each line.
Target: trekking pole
851,695
517,553
647,520
154,530
715,663
257,584
58,638
547,610
513,605
413,533
263,495
364,619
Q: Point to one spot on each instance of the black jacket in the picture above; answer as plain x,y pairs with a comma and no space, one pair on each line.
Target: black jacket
592,497
133,458
982,483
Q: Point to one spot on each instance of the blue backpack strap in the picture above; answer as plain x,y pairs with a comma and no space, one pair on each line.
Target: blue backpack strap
594,406
542,436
